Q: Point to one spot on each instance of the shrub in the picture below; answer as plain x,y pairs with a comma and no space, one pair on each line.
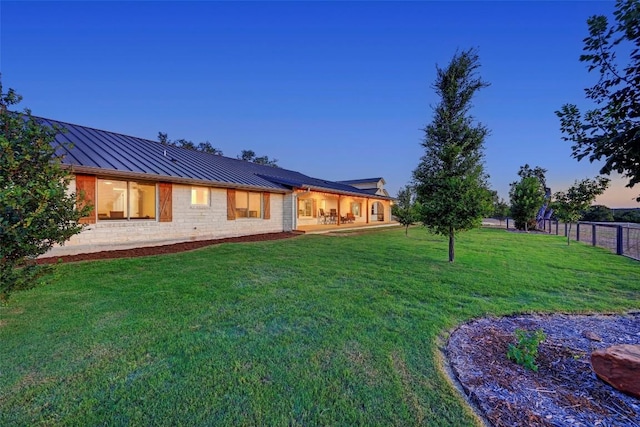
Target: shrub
525,351
36,210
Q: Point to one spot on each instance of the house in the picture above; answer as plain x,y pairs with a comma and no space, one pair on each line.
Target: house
146,193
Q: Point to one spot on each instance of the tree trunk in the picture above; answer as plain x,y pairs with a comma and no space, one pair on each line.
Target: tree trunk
406,230
451,245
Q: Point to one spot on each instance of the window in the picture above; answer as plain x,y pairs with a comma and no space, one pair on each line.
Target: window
125,200
248,204
199,196
355,208
305,207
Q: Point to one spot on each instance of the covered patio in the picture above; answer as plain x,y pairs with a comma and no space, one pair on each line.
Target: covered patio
322,228
322,210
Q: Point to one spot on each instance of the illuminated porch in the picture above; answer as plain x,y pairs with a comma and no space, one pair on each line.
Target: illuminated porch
321,210
328,228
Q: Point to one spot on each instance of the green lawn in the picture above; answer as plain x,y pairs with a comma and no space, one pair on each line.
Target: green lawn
315,330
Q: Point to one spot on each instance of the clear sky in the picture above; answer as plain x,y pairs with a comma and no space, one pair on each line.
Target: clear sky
335,90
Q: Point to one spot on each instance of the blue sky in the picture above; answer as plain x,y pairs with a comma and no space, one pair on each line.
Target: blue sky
336,90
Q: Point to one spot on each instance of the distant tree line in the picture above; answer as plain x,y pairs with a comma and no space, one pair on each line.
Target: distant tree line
250,156
601,213
206,147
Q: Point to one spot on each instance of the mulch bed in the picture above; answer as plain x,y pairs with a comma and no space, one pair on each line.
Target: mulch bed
564,391
165,249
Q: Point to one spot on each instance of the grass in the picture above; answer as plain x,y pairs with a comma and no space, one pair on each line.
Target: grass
317,330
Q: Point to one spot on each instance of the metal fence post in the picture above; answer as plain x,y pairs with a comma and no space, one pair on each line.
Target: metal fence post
619,243
577,232
628,239
593,234
556,227
566,230
507,223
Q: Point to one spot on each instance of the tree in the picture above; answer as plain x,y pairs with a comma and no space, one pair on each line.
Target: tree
499,209
184,143
204,147
626,215
164,138
612,130
250,156
405,209
537,172
597,213
527,197
568,207
36,209
450,181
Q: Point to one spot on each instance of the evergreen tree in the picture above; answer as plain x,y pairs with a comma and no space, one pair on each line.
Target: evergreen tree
450,182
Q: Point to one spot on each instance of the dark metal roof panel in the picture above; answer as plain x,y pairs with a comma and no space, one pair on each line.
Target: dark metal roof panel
360,181
302,181
370,190
116,153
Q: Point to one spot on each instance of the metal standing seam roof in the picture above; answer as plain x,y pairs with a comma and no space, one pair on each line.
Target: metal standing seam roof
113,153
362,181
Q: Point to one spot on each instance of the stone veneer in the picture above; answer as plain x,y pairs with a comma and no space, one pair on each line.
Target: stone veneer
189,223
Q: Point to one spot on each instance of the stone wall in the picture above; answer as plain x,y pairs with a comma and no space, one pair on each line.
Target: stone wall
189,223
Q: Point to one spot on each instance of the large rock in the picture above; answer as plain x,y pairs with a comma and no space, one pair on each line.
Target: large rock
619,365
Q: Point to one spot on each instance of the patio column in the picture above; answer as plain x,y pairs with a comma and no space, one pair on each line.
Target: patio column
338,219
294,211
367,210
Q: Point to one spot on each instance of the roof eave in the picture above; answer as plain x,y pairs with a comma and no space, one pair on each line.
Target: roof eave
343,193
177,180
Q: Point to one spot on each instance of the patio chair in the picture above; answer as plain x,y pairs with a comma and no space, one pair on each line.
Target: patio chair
322,217
333,216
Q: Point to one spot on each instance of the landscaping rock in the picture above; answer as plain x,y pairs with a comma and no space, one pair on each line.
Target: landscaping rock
619,365
592,336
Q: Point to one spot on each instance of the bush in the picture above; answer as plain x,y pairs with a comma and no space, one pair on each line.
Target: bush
525,351
36,210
